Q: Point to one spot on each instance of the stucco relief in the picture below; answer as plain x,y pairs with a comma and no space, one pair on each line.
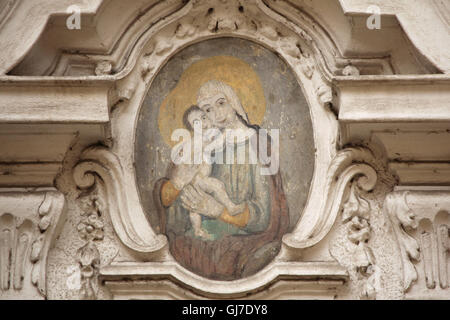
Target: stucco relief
347,110
420,220
29,224
276,79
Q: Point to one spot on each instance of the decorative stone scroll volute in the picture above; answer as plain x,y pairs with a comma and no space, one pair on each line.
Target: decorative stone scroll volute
98,164
351,163
29,224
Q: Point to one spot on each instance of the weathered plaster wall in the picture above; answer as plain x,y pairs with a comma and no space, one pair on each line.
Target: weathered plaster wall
375,223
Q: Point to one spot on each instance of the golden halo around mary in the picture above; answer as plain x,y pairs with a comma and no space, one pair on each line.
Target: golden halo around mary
230,70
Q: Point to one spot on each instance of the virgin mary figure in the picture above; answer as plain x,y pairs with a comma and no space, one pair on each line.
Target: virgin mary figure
243,243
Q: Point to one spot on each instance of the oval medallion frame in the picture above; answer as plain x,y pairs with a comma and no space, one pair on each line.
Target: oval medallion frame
272,100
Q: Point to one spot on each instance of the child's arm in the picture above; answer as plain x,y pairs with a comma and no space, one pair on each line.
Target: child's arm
179,177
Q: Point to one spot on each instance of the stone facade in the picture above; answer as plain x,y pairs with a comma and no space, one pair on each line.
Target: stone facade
365,105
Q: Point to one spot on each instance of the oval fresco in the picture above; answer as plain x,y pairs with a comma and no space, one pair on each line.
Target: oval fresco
224,156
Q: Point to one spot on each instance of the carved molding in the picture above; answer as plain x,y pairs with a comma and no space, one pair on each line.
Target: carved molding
421,220
402,218
372,99
124,73
434,173
29,223
347,165
125,28
312,274
166,289
292,29
99,165
146,57
113,169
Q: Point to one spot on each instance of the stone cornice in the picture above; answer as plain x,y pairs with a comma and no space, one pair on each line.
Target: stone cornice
393,98
54,100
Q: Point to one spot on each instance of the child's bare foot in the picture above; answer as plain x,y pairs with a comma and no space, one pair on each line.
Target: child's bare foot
203,234
237,209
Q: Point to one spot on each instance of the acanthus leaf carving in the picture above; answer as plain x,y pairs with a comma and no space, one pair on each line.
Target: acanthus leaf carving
403,219
26,238
50,212
420,220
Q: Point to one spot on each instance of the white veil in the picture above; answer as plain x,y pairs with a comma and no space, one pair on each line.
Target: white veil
213,87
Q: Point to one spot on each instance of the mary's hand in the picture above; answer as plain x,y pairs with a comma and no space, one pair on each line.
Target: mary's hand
200,202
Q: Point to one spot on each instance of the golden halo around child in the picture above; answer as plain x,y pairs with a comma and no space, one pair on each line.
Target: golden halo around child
233,71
